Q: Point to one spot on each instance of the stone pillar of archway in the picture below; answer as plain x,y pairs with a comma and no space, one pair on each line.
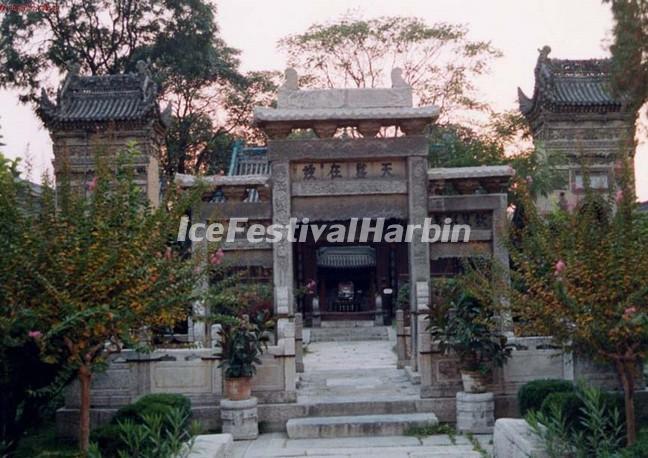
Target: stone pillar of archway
419,269
283,250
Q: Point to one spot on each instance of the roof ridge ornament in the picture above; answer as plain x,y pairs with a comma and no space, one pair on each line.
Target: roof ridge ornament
544,53
292,80
397,78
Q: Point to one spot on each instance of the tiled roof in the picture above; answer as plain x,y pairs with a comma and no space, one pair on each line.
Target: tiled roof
571,85
100,98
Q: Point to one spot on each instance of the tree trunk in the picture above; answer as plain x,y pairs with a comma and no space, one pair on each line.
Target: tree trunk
85,377
627,374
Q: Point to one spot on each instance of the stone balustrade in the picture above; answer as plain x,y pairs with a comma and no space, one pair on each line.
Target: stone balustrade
194,373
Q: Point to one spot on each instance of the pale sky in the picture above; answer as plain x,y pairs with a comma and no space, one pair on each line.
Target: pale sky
573,28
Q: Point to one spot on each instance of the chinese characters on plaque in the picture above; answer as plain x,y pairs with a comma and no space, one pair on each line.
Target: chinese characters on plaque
352,170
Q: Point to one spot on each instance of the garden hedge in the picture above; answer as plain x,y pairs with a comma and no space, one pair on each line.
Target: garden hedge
531,395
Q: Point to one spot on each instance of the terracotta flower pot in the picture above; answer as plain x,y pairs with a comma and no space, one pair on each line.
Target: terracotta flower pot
473,381
238,389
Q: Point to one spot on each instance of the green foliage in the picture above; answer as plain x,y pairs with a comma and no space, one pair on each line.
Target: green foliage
639,449
168,407
164,434
580,276
27,384
531,395
243,341
569,404
90,268
583,423
194,67
438,60
630,49
43,441
469,328
403,297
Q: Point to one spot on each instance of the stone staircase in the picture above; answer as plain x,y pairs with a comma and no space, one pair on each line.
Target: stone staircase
346,331
352,388
357,425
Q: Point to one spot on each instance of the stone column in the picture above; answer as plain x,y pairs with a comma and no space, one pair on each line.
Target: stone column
419,269
299,343
282,254
401,339
197,326
378,319
317,316
501,257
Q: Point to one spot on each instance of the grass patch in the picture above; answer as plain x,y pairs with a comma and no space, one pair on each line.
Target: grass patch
42,442
431,430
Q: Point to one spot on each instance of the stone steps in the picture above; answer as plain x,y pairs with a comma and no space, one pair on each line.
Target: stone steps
348,333
357,425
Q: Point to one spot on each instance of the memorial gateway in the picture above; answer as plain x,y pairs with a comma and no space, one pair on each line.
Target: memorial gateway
379,173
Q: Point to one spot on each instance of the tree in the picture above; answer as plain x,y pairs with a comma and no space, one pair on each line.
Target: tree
439,61
191,63
195,142
98,271
23,377
581,277
630,49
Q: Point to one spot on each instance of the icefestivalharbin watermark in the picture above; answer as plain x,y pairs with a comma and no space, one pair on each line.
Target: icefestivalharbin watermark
301,230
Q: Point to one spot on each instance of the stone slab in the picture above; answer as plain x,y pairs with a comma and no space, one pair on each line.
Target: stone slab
513,438
357,426
212,446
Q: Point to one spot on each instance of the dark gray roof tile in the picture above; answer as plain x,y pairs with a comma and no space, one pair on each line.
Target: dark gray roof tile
123,97
563,85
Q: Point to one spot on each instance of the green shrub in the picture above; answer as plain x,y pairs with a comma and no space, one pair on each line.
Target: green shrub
583,423
640,448
108,436
531,395
571,405
568,403
152,404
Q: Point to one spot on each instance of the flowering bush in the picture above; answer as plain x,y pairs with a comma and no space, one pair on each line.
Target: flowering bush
581,276
95,270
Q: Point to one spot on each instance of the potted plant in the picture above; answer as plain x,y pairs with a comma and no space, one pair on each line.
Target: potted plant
243,341
469,329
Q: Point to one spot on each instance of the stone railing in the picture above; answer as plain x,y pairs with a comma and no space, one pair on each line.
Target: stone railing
194,373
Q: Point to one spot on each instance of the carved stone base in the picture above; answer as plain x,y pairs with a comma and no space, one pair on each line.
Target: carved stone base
475,412
240,418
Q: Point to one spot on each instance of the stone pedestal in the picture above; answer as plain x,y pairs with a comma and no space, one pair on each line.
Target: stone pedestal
240,418
475,412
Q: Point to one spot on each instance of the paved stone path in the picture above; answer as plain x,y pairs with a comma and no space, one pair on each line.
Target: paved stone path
438,446
353,371
357,371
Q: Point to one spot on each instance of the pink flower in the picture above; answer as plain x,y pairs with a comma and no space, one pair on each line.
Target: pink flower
311,286
560,267
630,310
93,184
216,257
35,334
619,196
